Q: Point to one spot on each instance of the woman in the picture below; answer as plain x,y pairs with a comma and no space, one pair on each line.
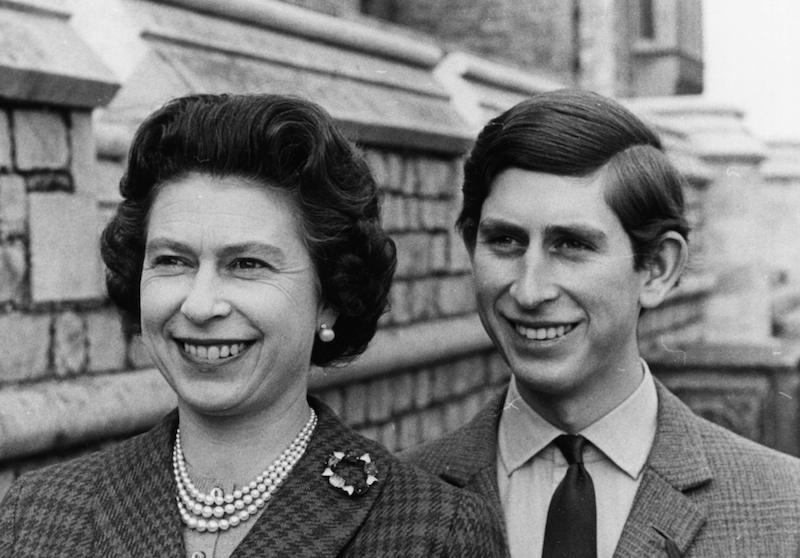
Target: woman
247,247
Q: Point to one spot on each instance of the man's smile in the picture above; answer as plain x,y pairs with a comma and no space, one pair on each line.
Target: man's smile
547,333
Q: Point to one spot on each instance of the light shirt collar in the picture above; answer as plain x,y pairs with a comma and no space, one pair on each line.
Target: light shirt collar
625,434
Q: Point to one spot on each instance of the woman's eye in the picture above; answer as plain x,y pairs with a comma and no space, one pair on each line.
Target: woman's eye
169,261
502,241
248,263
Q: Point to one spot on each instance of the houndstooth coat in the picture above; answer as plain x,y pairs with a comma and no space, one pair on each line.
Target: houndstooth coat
705,492
121,503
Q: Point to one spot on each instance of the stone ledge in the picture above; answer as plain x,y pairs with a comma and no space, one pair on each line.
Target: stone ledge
39,417
46,62
313,25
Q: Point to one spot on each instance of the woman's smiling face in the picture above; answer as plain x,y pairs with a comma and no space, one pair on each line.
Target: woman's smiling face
229,296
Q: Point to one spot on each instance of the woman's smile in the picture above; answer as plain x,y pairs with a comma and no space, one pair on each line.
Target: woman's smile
213,351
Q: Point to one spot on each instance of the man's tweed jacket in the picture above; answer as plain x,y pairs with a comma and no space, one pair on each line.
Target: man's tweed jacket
121,503
705,492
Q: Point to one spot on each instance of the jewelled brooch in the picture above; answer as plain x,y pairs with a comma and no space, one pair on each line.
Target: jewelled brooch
343,469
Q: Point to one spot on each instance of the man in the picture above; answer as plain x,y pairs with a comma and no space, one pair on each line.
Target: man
573,217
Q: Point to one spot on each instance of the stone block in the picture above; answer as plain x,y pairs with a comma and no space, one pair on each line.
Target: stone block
468,374
393,213
439,249
473,404
406,174
409,431
354,411
379,400
394,173
137,354
400,303
411,213
499,373
5,141
106,340
453,415
107,176
423,388
435,214
371,432
412,254
70,344
12,271
65,258
83,165
458,257
376,161
40,140
436,177
424,298
431,424
13,206
7,477
441,383
456,295
402,393
25,339
388,436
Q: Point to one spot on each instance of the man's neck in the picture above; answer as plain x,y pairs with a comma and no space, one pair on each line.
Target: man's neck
573,412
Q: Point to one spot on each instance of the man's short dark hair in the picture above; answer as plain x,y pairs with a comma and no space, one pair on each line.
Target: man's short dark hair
577,133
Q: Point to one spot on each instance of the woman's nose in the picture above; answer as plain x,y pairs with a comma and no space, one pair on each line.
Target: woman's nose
205,300
535,281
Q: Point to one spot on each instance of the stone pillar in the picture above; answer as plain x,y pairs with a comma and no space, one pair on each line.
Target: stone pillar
736,243
50,272
780,215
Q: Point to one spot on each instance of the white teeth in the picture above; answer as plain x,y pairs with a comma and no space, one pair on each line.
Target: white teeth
543,333
213,352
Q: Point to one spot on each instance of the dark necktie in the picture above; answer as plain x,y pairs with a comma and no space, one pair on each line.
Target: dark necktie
571,530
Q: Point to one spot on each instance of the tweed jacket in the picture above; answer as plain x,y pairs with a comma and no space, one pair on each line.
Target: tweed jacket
705,492
120,502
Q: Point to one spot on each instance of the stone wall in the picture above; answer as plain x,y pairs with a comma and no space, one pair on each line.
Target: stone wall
72,382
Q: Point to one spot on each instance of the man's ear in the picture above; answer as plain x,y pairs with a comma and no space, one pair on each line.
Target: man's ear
663,269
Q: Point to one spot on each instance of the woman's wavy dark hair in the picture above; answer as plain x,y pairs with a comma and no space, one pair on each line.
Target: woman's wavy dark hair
282,142
577,133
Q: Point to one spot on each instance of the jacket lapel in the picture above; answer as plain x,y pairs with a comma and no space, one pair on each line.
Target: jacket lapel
663,519
135,514
308,517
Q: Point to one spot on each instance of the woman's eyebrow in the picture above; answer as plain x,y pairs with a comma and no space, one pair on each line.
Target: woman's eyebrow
260,248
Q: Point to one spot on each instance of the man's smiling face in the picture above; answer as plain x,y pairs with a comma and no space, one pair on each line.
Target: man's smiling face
556,286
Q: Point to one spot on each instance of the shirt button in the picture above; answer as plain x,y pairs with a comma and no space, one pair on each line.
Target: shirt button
198,554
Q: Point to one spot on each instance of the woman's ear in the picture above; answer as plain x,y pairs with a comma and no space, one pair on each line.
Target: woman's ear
328,315
663,269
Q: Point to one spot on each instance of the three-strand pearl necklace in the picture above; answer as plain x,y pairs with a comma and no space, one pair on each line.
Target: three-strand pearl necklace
218,511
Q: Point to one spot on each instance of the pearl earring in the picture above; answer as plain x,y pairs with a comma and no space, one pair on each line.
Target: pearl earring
326,334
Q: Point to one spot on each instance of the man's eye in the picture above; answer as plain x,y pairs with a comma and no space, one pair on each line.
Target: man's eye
572,245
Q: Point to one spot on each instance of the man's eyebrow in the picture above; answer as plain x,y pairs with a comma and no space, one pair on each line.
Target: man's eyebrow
494,226
164,243
591,234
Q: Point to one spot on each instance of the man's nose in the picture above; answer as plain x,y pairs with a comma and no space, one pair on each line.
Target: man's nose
205,299
535,281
